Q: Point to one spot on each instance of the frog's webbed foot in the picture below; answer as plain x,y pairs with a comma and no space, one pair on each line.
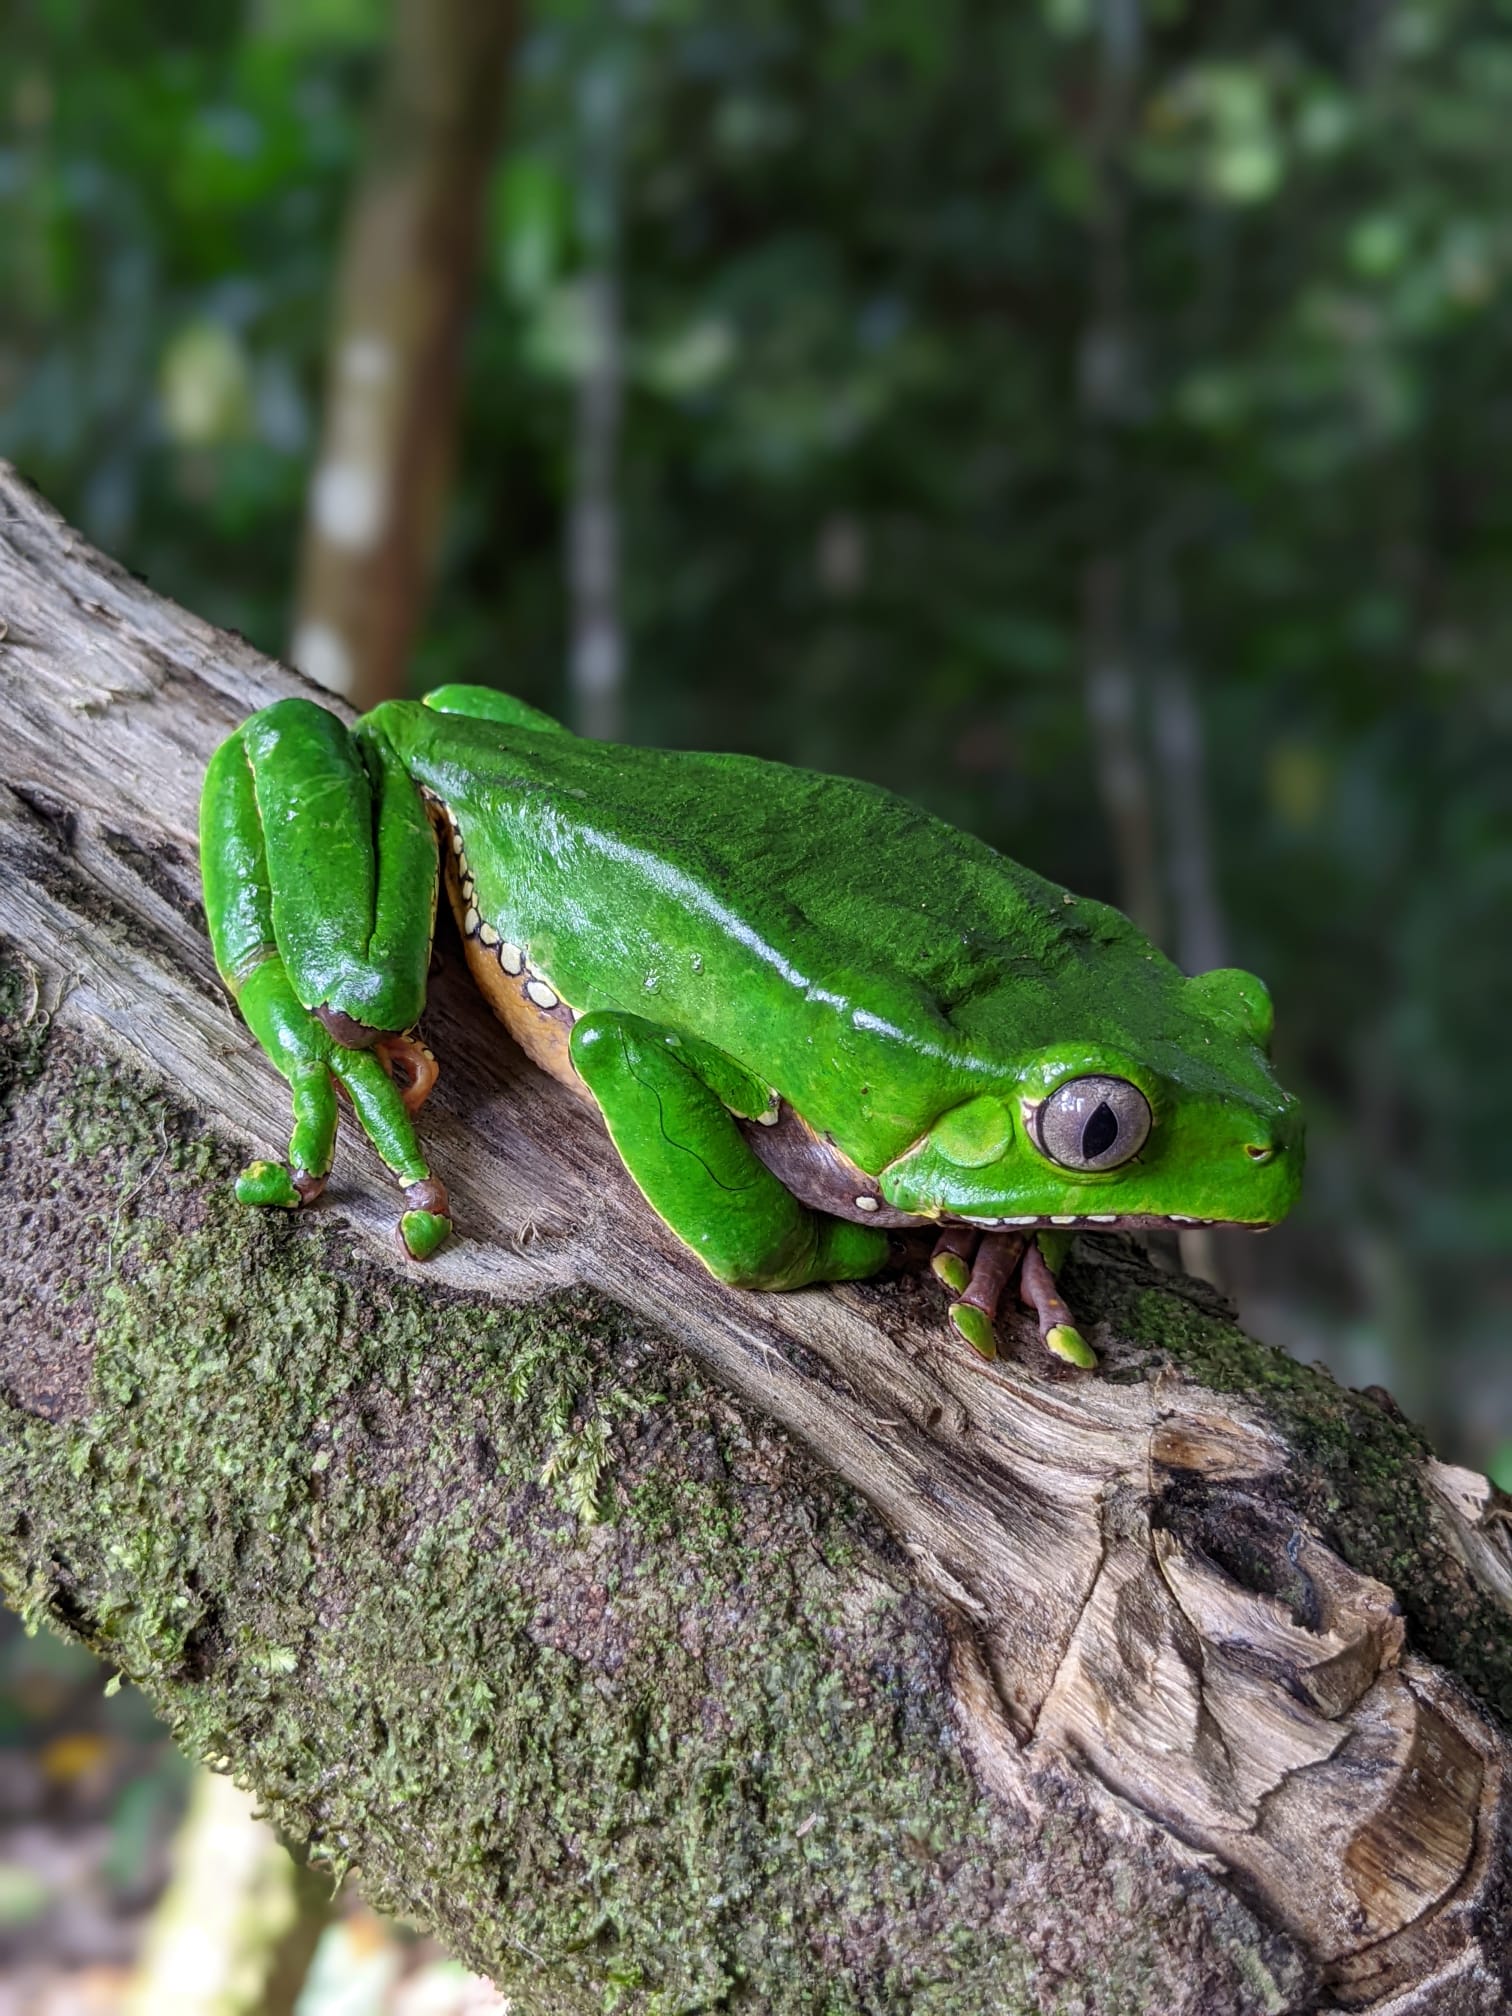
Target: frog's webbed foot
427,1223
953,1254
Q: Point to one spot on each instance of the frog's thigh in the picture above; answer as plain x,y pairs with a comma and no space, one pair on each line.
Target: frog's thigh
692,1165
350,861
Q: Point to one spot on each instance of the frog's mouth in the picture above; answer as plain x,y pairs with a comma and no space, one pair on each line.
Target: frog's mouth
1107,1221
818,1175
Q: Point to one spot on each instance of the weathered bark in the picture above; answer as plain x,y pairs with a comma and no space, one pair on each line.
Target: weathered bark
887,1680
413,241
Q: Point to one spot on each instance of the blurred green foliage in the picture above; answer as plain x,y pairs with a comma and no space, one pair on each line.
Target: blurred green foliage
858,248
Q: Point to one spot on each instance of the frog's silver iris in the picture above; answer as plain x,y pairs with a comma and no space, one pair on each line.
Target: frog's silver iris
1093,1123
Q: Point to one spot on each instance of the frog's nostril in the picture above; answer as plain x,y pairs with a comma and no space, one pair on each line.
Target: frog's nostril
1259,1151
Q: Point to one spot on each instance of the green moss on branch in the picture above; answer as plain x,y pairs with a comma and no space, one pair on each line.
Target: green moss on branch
695,1755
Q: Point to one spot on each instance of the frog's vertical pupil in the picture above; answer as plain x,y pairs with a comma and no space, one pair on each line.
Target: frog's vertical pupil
1100,1132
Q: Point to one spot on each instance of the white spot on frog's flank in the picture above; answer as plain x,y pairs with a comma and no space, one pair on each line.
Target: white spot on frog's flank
470,921
988,1223
1020,1221
542,995
1062,1220
1103,1218
347,505
456,839
770,1118
488,934
511,958
866,1203
469,892
320,651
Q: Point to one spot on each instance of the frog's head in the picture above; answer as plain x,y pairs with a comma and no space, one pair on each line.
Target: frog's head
1184,1125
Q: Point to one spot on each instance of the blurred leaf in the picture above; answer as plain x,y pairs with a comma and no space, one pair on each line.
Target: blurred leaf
205,386
531,207
690,360
73,1756
24,1896
354,1970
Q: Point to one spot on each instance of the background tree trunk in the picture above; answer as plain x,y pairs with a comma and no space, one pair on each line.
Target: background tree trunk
596,670
412,246
669,1647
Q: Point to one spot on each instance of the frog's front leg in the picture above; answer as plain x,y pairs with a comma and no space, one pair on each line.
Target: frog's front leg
690,1161
991,1269
1038,1292
320,876
978,1268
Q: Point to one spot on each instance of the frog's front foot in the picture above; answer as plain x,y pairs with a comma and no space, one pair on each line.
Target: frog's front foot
979,1268
988,1271
1038,1292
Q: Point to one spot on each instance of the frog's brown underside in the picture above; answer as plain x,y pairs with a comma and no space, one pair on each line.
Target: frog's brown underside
1310,1788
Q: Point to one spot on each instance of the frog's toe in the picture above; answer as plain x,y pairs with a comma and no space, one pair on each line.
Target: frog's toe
988,1275
1058,1332
269,1183
1068,1343
976,1328
952,1257
412,1067
427,1224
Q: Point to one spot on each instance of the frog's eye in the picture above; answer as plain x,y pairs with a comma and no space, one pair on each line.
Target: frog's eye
1093,1123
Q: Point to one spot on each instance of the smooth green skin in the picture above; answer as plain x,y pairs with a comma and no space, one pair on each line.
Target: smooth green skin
729,931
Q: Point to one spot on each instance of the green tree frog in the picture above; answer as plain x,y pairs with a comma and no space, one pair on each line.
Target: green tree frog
809,1014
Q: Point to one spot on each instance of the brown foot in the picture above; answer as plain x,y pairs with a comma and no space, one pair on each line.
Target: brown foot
955,1249
1037,1291
973,1312
411,1066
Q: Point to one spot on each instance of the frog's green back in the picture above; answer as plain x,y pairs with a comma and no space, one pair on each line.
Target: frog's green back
868,959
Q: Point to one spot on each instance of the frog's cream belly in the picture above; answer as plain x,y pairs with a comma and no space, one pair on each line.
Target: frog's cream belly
524,1000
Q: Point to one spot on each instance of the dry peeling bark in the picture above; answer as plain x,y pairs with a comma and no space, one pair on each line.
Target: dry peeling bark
890,1681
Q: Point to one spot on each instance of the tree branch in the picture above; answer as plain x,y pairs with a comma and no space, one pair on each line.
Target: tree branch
666,1646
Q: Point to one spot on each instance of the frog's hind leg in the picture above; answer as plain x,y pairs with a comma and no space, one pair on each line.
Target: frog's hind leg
243,907
690,1161
350,866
